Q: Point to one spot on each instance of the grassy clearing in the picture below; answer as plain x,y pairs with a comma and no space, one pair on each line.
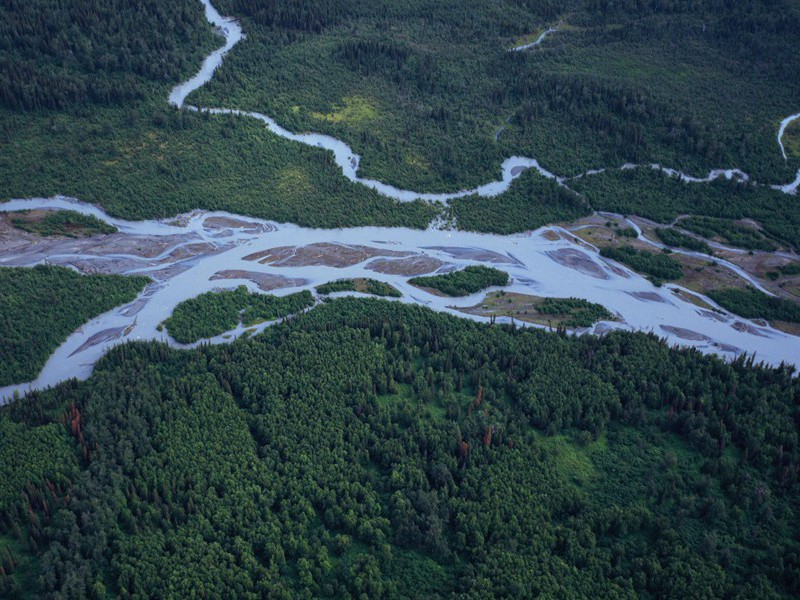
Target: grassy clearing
570,313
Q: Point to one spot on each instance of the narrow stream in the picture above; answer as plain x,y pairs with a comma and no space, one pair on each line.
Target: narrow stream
348,161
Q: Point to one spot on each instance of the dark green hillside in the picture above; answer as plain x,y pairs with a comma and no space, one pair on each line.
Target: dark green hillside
428,95
373,449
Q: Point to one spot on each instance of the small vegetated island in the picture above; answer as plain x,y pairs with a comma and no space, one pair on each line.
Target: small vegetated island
751,303
214,313
464,282
678,239
67,223
374,449
729,232
363,285
570,313
657,266
41,306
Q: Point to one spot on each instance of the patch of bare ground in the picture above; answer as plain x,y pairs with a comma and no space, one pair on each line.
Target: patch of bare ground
477,254
100,337
694,299
420,264
522,307
790,328
326,254
749,328
649,297
219,223
685,334
264,281
579,261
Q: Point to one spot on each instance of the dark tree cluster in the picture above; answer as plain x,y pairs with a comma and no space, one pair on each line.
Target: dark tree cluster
374,449
57,54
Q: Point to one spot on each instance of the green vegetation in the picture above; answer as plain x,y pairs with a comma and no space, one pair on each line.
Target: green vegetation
464,282
673,237
374,449
152,162
790,269
83,106
575,312
41,306
67,223
365,286
428,95
660,267
214,313
531,202
754,304
654,195
730,233
558,313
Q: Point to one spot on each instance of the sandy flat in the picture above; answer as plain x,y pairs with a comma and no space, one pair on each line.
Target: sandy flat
265,281
575,259
420,264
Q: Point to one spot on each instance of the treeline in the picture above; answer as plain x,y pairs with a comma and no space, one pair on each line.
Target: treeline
658,267
654,195
376,449
731,233
41,306
673,237
751,303
531,202
464,282
67,223
364,285
214,313
57,54
577,312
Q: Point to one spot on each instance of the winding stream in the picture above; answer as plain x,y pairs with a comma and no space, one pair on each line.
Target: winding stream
348,161
199,251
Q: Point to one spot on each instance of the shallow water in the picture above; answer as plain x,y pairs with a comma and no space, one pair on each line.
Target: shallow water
530,259
196,252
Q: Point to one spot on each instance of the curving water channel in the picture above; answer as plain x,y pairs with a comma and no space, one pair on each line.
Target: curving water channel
202,251
348,161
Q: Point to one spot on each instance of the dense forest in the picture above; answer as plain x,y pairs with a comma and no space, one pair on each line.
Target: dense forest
430,98
531,202
58,54
657,266
41,306
678,239
84,113
426,93
463,282
214,313
375,449
577,311
751,303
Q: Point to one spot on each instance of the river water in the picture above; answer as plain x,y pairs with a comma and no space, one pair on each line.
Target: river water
196,248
